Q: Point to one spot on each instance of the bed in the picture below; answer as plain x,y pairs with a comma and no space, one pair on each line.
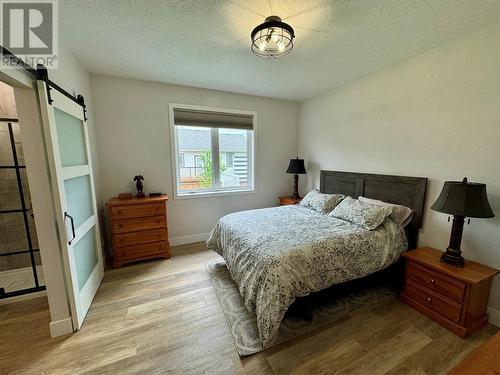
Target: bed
276,255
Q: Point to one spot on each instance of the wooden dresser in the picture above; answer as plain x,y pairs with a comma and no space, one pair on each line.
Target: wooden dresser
139,229
454,297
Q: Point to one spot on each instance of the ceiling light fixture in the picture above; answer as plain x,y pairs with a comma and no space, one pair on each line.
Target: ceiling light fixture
272,39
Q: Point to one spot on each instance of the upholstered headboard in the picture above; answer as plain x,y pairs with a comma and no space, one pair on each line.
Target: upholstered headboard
406,191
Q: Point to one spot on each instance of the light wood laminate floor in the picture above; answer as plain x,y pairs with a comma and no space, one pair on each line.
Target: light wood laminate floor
163,317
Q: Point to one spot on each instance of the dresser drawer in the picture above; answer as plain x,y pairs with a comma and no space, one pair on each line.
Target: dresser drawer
143,223
433,300
137,210
140,251
439,282
136,238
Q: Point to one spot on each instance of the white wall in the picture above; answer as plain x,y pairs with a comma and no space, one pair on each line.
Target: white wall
133,138
436,115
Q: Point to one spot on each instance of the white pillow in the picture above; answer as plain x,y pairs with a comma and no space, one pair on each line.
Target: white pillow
401,214
323,203
368,216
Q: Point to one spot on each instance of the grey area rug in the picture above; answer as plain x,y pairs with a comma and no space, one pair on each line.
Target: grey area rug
303,316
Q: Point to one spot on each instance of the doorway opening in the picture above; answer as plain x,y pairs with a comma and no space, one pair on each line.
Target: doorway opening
20,264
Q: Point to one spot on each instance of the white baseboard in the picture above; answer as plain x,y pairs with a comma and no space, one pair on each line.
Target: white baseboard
494,316
61,327
182,240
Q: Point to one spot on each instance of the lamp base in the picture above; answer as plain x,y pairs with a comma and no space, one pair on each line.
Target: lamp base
295,194
453,256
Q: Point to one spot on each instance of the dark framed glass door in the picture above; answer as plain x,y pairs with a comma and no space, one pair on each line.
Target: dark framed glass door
20,265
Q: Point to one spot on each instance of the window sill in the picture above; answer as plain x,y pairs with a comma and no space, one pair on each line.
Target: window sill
207,194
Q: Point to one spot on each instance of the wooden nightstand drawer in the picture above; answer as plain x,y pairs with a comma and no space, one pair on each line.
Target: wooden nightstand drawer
439,282
136,238
138,210
141,251
144,223
433,300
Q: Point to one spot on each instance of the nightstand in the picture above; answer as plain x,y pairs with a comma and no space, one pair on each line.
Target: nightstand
286,201
455,297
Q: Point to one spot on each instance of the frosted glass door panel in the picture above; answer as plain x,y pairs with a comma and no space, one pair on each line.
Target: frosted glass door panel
85,252
71,139
79,199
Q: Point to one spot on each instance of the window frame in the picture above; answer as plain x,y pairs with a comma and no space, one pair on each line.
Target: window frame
251,147
181,159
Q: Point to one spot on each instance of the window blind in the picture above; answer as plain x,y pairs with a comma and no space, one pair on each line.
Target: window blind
193,117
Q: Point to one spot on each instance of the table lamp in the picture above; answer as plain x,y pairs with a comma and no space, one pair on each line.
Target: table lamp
296,167
461,199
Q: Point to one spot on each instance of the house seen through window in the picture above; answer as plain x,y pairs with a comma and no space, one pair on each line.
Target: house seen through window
216,156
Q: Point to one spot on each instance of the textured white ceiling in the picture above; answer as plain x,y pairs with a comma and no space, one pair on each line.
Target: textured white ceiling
206,43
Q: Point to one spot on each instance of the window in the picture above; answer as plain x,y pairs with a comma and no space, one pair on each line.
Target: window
199,165
198,161
230,159
217,147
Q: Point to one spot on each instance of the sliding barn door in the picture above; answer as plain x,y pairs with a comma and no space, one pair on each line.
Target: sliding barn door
68,152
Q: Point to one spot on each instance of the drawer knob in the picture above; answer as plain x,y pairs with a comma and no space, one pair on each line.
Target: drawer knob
120,226
433,281
429,299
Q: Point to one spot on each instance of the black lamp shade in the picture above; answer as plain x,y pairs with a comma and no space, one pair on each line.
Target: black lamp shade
296,166
462,198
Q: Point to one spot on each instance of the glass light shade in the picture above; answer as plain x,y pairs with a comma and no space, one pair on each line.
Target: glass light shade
272,39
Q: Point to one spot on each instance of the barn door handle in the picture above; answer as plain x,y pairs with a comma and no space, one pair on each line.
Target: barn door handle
72,226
